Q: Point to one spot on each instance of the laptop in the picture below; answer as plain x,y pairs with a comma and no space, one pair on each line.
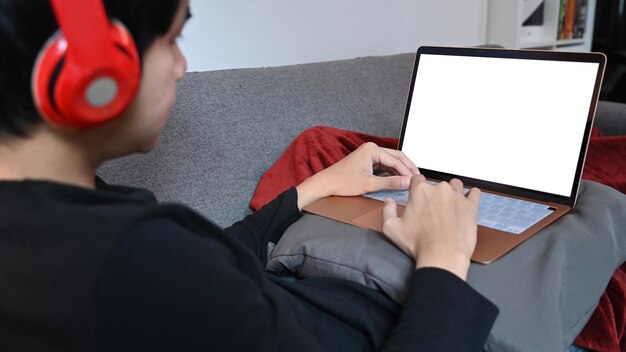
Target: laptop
514,123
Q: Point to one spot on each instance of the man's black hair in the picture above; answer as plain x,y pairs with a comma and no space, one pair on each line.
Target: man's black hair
26,25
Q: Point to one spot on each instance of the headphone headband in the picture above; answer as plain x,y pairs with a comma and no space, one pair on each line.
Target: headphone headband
85,26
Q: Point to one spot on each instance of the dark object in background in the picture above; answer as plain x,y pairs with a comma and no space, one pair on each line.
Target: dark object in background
609,37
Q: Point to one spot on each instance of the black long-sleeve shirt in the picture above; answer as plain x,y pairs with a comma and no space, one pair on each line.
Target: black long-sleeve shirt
113,270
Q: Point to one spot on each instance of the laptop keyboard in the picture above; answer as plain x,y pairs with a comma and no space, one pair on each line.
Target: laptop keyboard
498,212
509,214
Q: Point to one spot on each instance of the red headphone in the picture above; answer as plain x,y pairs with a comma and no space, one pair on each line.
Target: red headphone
89,72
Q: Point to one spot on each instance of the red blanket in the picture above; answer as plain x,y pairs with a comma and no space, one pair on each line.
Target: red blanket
319,147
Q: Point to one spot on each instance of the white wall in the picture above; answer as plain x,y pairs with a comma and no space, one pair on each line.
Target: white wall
255,33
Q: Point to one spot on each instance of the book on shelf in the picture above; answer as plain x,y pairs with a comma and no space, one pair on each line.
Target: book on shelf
582,9
568,21
562,8
572,19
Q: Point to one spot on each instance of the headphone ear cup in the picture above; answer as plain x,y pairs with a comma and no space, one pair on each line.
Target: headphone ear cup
76,94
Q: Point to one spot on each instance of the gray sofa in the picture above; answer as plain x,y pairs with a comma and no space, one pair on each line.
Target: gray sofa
228,127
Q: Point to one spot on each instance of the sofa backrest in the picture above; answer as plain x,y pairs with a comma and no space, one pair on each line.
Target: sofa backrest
228,127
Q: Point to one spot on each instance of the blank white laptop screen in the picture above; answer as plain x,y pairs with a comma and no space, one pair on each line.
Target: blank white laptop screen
517,122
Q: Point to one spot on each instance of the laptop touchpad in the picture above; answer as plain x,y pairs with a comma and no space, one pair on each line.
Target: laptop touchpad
374,219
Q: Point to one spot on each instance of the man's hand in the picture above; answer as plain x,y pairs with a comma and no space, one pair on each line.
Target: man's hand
438,227
353,175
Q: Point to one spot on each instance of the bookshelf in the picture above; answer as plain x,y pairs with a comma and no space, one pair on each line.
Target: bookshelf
506,24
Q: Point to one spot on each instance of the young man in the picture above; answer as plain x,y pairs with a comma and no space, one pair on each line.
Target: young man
88,266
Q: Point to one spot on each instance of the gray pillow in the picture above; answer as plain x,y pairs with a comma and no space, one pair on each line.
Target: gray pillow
315,246
547,288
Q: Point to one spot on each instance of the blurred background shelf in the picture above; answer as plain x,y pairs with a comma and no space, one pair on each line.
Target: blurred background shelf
541,24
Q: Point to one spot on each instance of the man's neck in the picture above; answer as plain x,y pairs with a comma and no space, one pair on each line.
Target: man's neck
47,156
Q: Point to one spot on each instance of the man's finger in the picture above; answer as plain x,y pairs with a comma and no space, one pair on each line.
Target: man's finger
389,182
474,195
416,180
400,155
384,158
456,184
390,210
390,227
